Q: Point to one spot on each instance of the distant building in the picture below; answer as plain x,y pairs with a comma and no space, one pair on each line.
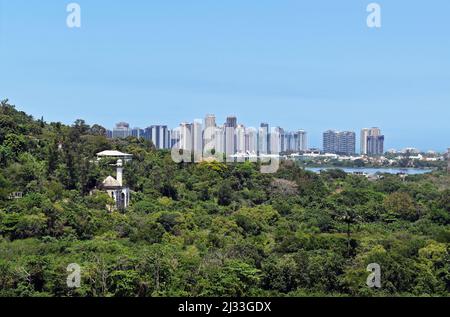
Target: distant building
185,136
240,139
197,140
175,136
364,135
336,142
230,135
276,140
264,139
251,140
219,140
302,140
121,131
209,130
372,142
291,142
160,136
330,141
375,145
137,133
346,143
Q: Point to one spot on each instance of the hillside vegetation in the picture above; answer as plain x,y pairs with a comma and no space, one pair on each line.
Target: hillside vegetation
208,229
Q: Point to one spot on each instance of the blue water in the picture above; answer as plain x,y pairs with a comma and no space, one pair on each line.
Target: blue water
371,171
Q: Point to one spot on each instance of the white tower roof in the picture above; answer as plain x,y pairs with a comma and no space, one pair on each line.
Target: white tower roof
111,182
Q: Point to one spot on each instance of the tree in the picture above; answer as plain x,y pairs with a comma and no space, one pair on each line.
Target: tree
225,195
400,205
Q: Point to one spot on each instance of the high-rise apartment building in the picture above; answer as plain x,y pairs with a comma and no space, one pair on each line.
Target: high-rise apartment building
302,140
364,135
264,139
210,121
137,133
185,139
372,141
276,140
230,135
121,131
240,139
209,130
175,137
219,140
346,143
251,140
197,140
296,141
159,135
339,142
290,142
375,145
330,141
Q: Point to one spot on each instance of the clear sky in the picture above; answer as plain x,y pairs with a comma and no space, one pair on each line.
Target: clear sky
313,65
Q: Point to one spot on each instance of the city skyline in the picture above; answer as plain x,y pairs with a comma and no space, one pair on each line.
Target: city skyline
247,138
371,141
234,137
231,137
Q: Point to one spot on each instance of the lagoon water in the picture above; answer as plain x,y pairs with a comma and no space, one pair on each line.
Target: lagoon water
371,171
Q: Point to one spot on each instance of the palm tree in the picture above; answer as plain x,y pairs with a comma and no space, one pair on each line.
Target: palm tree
349,217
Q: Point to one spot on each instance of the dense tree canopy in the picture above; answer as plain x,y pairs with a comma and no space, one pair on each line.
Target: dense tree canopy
208,229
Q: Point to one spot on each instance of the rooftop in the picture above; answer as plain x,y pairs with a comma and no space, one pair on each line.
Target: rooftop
111,153
111,182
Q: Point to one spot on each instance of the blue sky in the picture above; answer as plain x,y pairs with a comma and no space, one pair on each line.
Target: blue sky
297,64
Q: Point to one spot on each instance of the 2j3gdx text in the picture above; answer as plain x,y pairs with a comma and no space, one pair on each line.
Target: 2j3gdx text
226,307
232,307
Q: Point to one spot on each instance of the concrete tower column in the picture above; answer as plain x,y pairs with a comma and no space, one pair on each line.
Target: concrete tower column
119,172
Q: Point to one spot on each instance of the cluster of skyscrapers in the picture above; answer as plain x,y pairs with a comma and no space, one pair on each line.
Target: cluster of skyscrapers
158,134
206,135
230,138
344,142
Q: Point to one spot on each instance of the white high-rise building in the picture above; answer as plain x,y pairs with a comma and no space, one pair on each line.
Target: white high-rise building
219,140
185,136
263,139
209,129
230,136
364,135
240,139
251,140
302,140
210,120
197,140
276,141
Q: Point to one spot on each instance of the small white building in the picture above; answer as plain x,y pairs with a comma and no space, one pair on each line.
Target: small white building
116,190
114,154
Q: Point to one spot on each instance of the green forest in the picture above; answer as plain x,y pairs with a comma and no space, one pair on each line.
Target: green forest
207,229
